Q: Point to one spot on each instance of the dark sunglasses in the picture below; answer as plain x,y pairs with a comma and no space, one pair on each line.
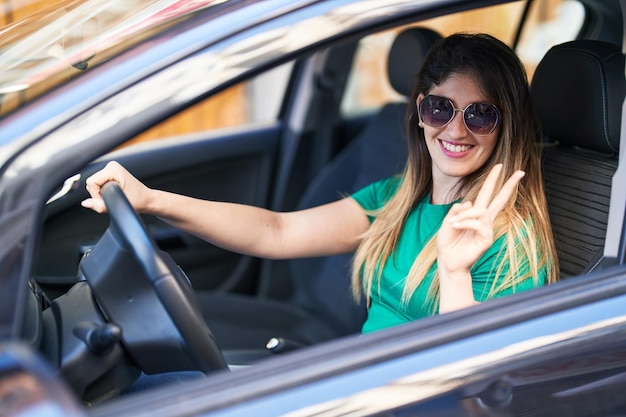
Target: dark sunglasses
479,118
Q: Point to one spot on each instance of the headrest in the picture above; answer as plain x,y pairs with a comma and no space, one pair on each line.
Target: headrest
406,55
578,89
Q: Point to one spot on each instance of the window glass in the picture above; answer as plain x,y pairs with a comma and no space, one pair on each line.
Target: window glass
549,22
46,44
257,100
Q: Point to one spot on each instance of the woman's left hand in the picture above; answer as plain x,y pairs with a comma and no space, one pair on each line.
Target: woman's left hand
467,230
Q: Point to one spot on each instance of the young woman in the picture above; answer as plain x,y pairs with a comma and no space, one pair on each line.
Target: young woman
467,220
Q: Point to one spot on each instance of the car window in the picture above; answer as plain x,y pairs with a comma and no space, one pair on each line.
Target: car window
259,99
547,24
256,100
45,44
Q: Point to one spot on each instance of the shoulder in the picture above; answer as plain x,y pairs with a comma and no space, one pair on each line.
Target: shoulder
375,195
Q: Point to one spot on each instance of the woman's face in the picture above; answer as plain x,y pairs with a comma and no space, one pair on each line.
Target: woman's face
456,151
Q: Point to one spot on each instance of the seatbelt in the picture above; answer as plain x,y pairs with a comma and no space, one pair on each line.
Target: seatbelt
327,100
329,85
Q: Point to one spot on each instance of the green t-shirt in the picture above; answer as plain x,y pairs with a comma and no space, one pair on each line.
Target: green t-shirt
386,308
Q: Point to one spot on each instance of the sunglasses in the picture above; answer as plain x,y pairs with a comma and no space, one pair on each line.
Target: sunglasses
479,118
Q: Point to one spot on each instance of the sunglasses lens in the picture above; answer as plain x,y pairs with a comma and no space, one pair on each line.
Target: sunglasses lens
436,111
481,118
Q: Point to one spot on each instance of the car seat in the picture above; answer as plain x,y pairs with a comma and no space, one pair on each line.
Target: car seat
578,90
321,307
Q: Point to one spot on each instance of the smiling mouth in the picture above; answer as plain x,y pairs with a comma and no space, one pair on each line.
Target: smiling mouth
455,148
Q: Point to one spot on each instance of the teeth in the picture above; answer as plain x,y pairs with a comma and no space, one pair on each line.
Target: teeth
455,148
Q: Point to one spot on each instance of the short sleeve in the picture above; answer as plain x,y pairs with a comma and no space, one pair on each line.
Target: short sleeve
377,194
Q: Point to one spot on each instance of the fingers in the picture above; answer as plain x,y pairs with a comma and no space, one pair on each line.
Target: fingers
486,192
485,207
113,171
505,193
94,204
479,226
495,205
466,216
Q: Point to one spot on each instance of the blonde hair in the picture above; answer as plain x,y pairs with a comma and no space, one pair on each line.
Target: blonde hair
524,221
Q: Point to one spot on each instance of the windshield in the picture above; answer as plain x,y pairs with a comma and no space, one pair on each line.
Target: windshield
62,39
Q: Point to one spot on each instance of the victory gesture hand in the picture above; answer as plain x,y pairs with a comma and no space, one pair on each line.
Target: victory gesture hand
467,230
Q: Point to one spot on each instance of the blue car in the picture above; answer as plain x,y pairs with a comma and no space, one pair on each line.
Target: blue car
286,104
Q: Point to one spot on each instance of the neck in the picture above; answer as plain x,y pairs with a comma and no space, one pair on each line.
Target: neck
444,191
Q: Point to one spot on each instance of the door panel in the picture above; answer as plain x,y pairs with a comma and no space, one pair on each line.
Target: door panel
236,167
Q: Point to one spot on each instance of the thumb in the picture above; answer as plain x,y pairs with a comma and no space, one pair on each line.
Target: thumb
94,204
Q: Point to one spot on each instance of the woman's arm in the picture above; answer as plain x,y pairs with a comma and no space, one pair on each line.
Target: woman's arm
465,234
328,229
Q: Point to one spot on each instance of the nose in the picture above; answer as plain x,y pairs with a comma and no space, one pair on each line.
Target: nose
456,128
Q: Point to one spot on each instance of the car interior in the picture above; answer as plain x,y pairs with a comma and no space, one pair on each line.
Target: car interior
314,313
304,302
583,132
582,128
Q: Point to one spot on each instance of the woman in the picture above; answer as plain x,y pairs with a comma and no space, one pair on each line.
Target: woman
460,225
455,155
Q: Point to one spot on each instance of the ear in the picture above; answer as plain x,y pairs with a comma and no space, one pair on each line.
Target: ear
420,97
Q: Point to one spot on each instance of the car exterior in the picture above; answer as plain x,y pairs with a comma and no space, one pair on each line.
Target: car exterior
553,350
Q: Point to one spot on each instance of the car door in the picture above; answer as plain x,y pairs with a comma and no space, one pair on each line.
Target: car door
225,148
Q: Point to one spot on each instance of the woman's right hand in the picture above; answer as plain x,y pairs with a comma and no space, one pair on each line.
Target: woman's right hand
136,192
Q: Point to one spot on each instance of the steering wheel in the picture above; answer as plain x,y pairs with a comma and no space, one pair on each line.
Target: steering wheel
143,291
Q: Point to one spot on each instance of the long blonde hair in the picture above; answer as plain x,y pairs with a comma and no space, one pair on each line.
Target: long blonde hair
524,221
